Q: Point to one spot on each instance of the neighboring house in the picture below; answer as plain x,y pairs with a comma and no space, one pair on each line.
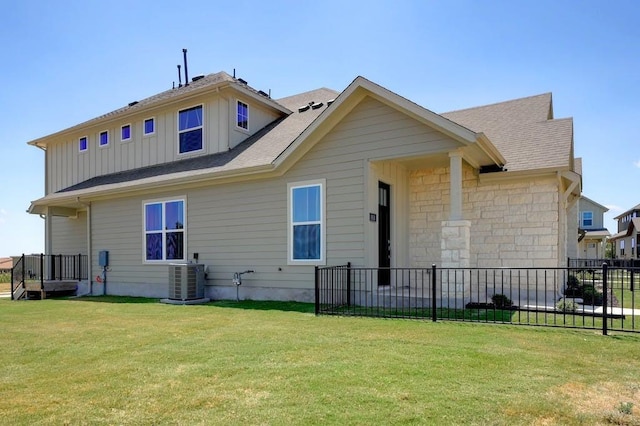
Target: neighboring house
593,235
220,172
6,263
626,239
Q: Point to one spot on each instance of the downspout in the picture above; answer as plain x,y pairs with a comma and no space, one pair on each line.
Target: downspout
89,243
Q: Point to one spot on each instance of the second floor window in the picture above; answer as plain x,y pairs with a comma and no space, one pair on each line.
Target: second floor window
125,134
104,138
587,219
190,129
149,126
83,145
242,120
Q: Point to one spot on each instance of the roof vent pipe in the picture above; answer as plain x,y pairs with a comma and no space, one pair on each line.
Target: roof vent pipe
186,73
179,77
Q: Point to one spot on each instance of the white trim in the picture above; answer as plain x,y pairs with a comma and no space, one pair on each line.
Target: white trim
86,138
103,132
130,132
322,183
189,130
155,122
164,201
243,129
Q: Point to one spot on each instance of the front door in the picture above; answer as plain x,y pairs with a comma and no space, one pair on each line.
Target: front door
384,234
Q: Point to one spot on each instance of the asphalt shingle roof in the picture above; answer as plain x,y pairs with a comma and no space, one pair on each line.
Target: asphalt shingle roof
523,130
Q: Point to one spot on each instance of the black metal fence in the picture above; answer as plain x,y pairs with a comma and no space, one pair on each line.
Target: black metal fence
604,298
39,268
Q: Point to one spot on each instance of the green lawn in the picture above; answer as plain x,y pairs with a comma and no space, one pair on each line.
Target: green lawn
134,361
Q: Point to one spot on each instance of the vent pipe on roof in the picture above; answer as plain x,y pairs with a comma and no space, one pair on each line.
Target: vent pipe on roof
179,77
186,73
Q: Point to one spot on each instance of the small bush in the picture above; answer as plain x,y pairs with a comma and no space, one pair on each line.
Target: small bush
591,296
626,407
565,305
501,301
5,277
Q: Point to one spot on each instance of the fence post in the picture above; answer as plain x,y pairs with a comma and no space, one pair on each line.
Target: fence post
605,301
434,305
348,284
317,284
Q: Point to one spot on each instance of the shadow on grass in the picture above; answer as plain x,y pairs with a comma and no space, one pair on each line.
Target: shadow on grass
243,304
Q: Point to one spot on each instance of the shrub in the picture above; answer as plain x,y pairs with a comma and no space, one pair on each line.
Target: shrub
591,296
501,301
574,288
565,305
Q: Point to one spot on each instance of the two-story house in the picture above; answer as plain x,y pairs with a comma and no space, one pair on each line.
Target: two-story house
593,235
219,172
626,239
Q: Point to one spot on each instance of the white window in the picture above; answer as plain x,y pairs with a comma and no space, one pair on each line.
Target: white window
103,140
307,222
164,230
83,144
587,219
242,115
125,133
149,126
190,129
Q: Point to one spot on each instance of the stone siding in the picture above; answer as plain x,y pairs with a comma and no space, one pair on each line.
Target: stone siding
513,224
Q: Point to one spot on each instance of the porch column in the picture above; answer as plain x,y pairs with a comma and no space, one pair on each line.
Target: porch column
455,185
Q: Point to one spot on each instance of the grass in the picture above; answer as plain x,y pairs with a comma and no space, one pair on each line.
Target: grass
134,361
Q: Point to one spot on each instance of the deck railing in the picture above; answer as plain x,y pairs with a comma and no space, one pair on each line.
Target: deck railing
604,298
47,267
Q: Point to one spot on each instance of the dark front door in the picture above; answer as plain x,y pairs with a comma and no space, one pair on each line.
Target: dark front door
384,234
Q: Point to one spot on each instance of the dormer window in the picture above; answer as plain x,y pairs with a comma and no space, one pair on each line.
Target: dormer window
242,120
190,129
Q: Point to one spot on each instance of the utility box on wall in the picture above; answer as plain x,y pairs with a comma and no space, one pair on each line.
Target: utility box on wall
103,258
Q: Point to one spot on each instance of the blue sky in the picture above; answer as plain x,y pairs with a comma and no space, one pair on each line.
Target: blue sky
66,62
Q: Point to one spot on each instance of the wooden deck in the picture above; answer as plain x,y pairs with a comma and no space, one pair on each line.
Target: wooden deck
50,287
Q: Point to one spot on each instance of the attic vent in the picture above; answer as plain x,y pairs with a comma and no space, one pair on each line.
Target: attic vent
330,101
197,77
242,81
260,92
132,103
303,108
316,106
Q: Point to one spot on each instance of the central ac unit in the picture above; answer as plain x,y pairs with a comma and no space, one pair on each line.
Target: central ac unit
186,281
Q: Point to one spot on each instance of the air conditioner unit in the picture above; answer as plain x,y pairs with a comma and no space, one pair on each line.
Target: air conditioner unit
186,281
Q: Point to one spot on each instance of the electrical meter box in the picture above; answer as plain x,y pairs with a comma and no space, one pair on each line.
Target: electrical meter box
103,258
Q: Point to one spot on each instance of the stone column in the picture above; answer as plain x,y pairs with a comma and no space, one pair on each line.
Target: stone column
455,184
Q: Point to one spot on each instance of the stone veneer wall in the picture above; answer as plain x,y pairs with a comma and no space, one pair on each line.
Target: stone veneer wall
513,224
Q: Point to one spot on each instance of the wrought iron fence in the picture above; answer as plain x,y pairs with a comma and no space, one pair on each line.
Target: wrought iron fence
39,268
594,298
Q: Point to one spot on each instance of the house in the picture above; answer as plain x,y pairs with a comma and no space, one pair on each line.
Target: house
6,263
220,173
593,235
626,239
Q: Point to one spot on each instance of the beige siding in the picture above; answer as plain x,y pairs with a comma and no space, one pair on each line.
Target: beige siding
68,166
598,213
69,236
242,226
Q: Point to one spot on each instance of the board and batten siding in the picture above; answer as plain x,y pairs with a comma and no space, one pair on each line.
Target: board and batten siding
68,166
